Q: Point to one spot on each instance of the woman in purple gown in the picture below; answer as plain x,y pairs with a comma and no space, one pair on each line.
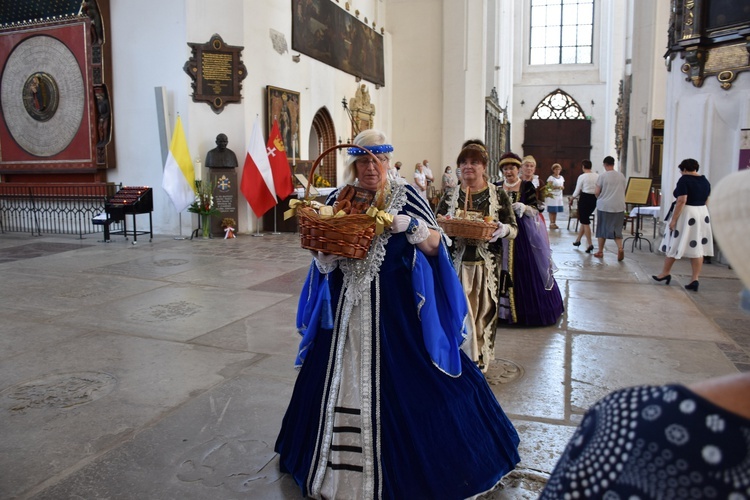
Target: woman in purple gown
534,298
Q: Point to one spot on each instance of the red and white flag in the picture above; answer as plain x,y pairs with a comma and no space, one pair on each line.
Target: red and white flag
257,178
282,174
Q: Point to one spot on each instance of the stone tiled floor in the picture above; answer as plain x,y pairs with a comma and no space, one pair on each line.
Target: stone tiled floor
162,370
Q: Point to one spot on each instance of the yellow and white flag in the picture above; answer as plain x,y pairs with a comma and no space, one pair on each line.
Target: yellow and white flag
179,175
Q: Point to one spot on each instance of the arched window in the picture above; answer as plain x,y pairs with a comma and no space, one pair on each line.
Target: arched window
324,138
558,106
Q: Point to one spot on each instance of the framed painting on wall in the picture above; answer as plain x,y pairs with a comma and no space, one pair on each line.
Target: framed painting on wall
283,106
324,31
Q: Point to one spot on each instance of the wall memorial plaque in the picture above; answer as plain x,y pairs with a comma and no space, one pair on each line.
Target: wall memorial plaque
217,72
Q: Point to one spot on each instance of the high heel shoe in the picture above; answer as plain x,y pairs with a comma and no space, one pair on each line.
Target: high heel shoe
667,278
692,286
590,249
576,243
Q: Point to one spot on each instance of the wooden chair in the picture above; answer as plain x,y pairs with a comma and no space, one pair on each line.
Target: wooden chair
629,219
573,213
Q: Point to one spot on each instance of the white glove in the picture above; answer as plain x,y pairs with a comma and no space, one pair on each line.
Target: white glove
518,208
500,232
400,223
327,258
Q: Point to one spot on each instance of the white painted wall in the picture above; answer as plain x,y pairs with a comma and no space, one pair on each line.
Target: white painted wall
647,100
149,48
594,86
442,58
417,86
702,123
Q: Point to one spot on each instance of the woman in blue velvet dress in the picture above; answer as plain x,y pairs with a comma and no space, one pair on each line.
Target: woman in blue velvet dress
386,405
534,298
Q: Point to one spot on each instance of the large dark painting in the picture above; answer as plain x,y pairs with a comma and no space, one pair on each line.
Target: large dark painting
324,31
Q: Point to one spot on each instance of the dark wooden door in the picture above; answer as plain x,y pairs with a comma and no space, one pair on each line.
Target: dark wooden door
566,142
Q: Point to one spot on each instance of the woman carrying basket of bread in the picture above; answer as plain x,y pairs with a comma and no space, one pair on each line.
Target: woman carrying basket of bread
478,261
386,405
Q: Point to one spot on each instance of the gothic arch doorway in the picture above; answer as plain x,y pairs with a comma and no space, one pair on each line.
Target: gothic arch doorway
558,132
322,137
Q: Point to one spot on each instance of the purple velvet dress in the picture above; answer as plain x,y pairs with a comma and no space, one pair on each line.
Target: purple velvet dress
534,299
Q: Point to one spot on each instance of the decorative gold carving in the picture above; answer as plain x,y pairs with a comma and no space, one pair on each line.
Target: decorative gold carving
622,116
724,62
726,78
726,57
695,58
362,110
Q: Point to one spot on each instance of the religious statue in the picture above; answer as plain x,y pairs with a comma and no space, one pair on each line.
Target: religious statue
221,156
102,119
362,109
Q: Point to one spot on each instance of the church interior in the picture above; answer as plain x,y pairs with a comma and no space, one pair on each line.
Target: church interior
140,360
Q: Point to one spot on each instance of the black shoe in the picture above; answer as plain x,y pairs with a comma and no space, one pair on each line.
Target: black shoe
666,278
692,286
590,249
576,243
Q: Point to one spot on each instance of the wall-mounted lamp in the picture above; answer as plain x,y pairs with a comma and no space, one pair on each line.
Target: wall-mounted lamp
592,102
522,102
295,57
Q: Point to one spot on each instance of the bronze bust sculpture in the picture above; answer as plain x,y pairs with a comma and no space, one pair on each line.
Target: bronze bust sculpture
221,156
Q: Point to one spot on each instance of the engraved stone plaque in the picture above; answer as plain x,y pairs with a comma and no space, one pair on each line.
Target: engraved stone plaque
217,72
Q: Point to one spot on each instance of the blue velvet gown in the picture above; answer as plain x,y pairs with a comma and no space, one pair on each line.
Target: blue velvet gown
386,405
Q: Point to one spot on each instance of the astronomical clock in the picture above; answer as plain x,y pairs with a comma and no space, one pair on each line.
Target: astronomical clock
55,102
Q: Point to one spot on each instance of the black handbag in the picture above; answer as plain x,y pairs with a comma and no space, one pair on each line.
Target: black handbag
669,213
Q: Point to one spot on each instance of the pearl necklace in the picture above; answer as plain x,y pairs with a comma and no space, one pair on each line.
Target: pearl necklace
509,185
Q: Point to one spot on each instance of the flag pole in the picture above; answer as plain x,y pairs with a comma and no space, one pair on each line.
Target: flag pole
274,220
257,228
180,237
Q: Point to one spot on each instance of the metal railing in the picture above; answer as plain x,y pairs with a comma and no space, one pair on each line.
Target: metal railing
53,208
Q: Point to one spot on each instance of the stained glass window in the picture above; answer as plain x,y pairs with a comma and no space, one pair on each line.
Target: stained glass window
562,31
558,106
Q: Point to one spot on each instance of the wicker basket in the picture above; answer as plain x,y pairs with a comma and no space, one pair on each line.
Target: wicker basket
348,235
466,228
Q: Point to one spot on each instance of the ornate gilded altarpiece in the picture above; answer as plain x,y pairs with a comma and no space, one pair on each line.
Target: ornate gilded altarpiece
55,104
712,37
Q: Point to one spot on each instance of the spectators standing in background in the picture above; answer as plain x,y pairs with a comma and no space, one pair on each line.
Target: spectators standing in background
555,202
610,207
674,440
449,182
420,181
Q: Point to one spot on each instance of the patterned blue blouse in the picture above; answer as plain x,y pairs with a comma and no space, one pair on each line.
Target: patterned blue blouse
655,442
